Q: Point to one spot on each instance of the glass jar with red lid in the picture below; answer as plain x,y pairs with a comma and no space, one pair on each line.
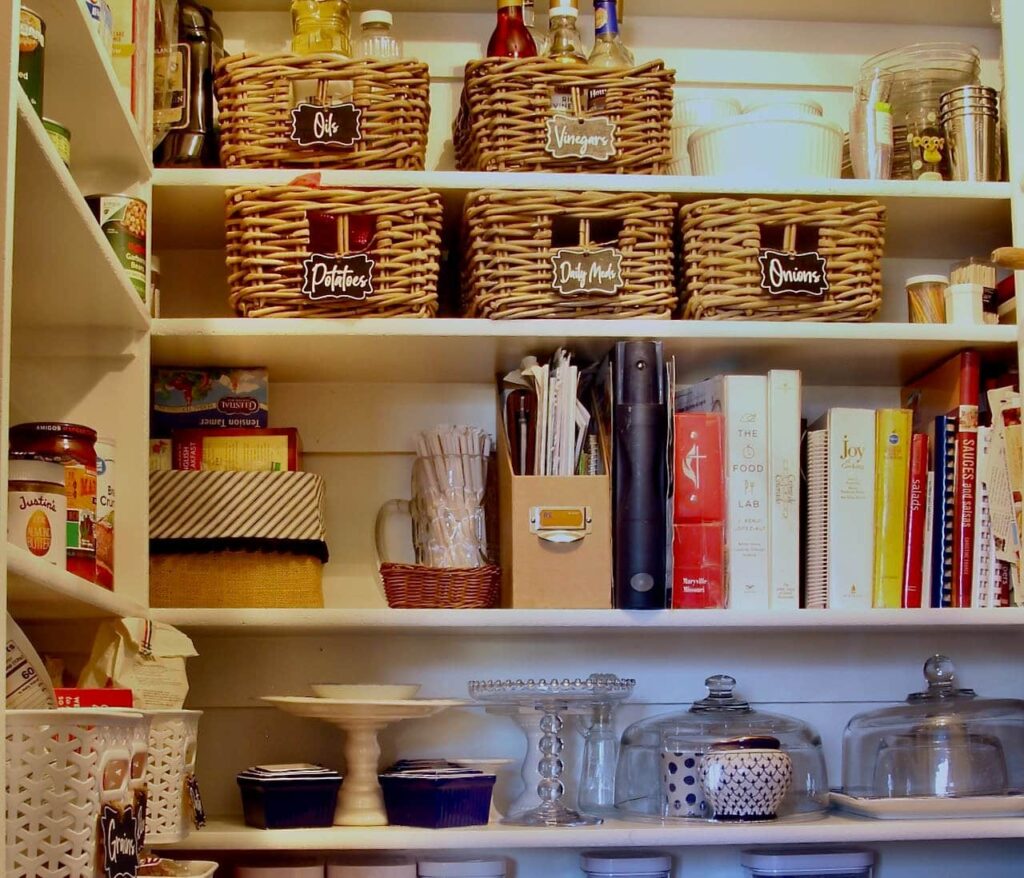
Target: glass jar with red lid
75,447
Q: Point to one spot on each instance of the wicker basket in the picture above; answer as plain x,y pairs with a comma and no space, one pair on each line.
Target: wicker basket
506,106
268,242
414,586
508,268
723,238
255,101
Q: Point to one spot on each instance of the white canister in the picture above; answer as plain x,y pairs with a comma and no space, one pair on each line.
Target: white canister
105,451
37,508
372,867
965,304
632,863
462,868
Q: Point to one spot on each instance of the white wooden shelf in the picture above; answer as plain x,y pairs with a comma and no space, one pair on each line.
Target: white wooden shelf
459,350
923,216
38,590
65,272
328,620
107,151
231,835
967,13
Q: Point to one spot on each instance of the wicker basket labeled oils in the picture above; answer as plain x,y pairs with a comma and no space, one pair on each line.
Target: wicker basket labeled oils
535,114
768,259
306,251
530,254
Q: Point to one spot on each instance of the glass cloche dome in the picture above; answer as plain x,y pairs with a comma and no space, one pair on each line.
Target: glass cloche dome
659,768
945,741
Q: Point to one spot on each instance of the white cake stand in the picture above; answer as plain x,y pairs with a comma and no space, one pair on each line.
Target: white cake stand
360,802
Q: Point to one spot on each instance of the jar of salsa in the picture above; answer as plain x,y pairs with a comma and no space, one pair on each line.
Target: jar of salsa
74,446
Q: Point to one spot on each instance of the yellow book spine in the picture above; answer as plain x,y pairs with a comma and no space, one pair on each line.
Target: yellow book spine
892,475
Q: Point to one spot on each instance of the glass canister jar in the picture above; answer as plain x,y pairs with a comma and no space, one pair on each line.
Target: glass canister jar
666,763
74,446
943,742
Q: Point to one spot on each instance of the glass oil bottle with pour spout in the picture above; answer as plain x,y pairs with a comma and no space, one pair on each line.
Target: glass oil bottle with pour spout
321,26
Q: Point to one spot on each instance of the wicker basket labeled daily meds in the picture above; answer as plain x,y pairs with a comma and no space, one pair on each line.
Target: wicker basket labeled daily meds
304,251
535,114
548,254
322,111
765,259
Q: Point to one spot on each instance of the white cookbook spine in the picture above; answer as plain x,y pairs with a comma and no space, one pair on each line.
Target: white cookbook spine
784,403
851,507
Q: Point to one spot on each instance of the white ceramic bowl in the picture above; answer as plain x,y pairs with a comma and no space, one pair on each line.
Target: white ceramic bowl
786,108
703,110
748,147
365,691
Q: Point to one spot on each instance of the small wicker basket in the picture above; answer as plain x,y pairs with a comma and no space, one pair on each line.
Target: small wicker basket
256,95
268,242
724,237
508,250
506,106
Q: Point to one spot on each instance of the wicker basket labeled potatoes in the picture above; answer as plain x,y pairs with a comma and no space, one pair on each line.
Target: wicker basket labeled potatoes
759,258
310,251
535,114
322,111
529,254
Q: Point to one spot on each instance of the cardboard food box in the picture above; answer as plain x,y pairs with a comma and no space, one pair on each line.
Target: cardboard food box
212,397
237,450
556,539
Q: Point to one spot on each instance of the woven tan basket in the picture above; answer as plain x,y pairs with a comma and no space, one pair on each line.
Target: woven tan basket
268,242
723,237
255,97
507,269
506,104
235,579
413,586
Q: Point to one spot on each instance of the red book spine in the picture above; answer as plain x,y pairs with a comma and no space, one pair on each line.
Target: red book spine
966,477
698,544
913,570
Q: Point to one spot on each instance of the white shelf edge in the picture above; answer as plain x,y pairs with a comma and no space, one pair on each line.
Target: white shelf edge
39,590
231,835
241,622
140,317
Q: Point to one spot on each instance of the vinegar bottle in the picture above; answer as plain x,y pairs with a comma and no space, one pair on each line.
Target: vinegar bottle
511,39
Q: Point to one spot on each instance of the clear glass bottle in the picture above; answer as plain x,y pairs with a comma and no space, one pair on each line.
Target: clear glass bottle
600,755
511,39
530,20
376,42
321,26
609,50
565,42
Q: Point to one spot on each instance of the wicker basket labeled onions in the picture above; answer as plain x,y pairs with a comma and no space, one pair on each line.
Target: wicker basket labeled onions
535,114
760,258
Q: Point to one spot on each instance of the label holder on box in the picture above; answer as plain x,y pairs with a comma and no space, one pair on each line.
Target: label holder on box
561,524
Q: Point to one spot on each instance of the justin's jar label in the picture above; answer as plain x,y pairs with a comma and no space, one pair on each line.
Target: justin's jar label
122,220
37,509
105,512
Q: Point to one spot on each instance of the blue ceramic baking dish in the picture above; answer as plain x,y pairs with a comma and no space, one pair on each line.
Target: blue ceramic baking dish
289,796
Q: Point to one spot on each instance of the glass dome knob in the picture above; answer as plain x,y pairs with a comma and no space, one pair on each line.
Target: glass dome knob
940,672
720,685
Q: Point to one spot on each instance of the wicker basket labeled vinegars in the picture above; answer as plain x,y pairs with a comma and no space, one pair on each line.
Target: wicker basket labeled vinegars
535,114
567,254
765,259
322,111
304,251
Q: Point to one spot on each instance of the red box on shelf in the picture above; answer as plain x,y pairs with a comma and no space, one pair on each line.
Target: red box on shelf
94,697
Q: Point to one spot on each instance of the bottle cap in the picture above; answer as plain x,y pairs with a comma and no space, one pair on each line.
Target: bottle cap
376,16
557,11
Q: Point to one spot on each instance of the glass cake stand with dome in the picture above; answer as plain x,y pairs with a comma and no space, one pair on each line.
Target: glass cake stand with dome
552,698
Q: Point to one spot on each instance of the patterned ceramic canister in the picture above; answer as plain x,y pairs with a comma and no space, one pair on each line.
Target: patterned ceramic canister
680,783
745,779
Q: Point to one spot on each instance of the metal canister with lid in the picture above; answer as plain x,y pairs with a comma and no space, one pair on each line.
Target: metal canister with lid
36,508
31,53
74,446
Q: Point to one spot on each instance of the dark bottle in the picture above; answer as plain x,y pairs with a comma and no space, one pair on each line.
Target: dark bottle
511,38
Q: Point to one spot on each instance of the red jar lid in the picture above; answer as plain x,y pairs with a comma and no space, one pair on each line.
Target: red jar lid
54,428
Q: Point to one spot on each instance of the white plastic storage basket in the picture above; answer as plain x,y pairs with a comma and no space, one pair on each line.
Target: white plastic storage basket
62,765
173,735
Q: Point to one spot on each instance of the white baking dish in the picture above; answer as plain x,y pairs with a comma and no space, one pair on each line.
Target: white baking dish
703,110
748,147
787,108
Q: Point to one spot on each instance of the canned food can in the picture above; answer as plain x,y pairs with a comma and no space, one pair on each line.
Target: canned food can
105,512
122,220
61,138
37,508
31,49
102,22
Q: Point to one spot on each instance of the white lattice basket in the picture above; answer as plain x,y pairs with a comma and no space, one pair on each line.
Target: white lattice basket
61,766
173,735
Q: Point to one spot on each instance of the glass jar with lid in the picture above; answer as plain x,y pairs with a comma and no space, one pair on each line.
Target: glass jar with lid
942,742
670,766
